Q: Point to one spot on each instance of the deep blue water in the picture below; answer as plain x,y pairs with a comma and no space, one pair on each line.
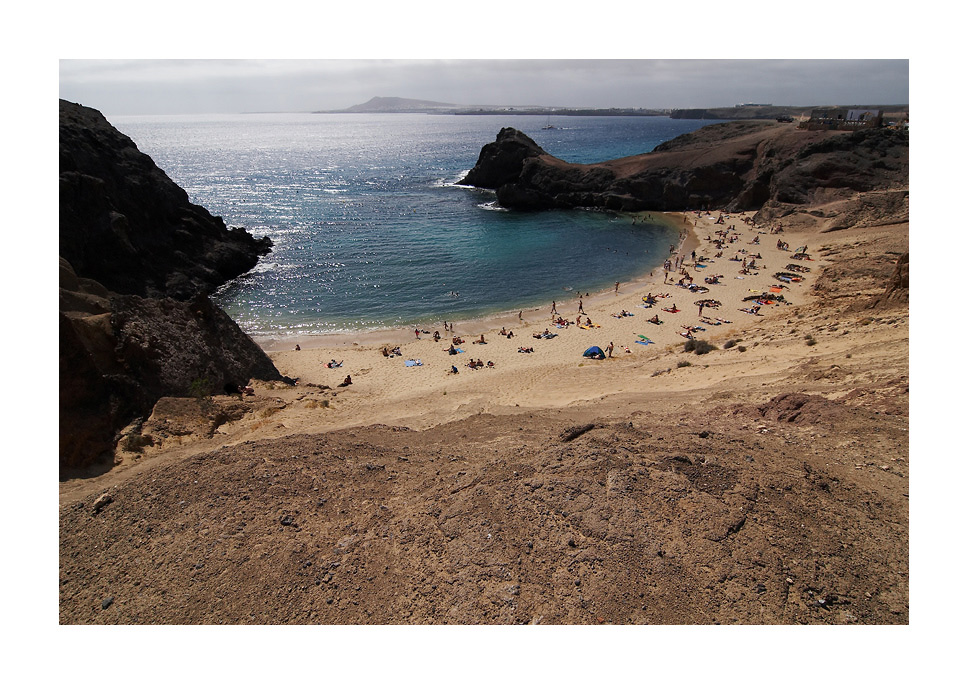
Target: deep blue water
369,230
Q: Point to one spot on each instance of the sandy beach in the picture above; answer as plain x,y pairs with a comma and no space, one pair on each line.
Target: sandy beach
742,480
391,391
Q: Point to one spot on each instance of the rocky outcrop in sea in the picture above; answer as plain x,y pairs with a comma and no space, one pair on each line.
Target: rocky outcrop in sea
137,262
735,166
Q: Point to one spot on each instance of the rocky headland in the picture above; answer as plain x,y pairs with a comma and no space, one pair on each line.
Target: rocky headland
763,166
137,261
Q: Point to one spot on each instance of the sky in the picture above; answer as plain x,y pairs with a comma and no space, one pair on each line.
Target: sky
203,86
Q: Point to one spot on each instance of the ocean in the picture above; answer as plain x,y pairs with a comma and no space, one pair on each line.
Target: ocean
369,229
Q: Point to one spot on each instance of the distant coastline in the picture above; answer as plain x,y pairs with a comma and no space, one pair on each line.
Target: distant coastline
401,105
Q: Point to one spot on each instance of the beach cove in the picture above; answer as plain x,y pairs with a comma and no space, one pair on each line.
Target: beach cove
754,473
416,386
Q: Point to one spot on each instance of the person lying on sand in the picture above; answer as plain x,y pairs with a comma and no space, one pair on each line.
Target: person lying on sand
525,350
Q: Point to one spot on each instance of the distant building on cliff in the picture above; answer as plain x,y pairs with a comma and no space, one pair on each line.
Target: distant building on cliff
843,119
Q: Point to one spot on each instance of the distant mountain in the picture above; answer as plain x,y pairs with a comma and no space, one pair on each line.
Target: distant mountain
403,105
396,105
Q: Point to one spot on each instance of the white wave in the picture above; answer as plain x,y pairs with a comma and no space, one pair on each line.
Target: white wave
491,206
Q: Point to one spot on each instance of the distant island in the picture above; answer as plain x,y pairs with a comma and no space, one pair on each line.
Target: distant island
402,105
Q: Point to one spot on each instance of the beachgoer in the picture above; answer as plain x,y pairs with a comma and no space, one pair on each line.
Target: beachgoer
616,287
611,346
348,381
297,347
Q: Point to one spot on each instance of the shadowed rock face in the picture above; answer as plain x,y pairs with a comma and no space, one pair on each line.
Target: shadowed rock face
137,262
124,223
737,166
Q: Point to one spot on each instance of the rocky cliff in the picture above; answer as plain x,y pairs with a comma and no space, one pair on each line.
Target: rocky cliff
742,165
137,262
124,223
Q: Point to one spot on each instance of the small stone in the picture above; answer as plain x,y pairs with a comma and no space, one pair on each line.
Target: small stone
106,603
101,502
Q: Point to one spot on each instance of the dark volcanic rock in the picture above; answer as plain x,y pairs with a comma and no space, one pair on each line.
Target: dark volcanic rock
115,365
125,224
501,161
734,166
137,259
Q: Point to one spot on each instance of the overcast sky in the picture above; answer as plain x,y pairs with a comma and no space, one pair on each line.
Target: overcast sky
227,86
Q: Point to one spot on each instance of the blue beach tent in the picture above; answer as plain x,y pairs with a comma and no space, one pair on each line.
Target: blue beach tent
594,353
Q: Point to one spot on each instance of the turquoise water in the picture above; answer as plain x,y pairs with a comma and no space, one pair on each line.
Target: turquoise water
369,229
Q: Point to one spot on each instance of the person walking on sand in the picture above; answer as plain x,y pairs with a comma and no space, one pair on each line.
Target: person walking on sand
554,308
611,346
581,310
616,287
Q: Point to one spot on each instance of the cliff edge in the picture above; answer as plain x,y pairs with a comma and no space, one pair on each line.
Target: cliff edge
137,261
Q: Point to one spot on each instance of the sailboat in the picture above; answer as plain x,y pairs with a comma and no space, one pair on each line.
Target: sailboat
548,126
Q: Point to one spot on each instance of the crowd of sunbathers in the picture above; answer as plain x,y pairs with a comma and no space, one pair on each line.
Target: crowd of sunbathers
723,237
